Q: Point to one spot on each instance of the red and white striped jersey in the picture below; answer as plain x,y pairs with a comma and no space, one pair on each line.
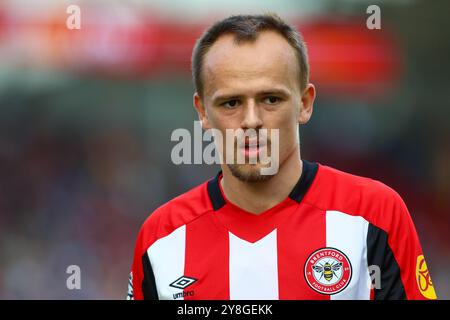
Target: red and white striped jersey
336,236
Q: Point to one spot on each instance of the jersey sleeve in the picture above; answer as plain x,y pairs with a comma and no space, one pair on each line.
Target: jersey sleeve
394,248
141,284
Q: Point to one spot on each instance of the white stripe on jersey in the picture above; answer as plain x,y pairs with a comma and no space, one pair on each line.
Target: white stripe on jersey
167,259
254,268
348,234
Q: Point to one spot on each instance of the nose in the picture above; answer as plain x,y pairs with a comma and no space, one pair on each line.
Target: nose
252,118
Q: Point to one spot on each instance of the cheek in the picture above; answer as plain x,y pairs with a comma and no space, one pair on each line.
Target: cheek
220,124
286,122
288,127
218,119
288,136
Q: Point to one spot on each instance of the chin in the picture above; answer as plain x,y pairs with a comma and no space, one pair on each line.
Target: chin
248,172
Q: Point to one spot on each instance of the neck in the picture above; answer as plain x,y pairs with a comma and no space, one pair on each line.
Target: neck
257,197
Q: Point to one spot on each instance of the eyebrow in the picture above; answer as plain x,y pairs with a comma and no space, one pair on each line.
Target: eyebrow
277,91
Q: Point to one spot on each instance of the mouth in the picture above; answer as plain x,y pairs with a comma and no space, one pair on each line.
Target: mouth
252,147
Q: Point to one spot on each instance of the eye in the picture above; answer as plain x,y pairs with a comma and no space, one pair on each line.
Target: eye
271,100
230,104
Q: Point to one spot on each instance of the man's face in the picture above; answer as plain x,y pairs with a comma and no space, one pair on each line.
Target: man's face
253,85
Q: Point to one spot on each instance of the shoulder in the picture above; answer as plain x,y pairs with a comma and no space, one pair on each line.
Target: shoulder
355,195
351,184
174,214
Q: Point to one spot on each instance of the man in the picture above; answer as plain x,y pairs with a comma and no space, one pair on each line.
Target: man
306,232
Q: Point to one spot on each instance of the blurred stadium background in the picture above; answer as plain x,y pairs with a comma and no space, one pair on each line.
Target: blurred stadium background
86,117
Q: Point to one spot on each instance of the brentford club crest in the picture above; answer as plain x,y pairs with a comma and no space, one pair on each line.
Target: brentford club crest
328,271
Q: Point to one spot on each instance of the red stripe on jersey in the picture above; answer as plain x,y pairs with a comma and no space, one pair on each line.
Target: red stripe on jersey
297,239
206,244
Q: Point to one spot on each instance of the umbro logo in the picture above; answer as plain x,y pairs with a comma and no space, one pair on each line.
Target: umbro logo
182,282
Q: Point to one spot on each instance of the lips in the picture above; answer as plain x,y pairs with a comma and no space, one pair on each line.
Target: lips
252,147
253,143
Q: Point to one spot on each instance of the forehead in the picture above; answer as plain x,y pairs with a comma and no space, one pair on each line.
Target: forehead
266,61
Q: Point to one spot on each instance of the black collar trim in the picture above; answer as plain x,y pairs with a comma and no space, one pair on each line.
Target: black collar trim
298,192
304,183
214,192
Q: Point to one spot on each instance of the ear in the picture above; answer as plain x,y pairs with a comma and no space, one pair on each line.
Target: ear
308,96
200,107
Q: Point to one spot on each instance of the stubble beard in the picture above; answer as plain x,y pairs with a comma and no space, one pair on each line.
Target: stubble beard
252,174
